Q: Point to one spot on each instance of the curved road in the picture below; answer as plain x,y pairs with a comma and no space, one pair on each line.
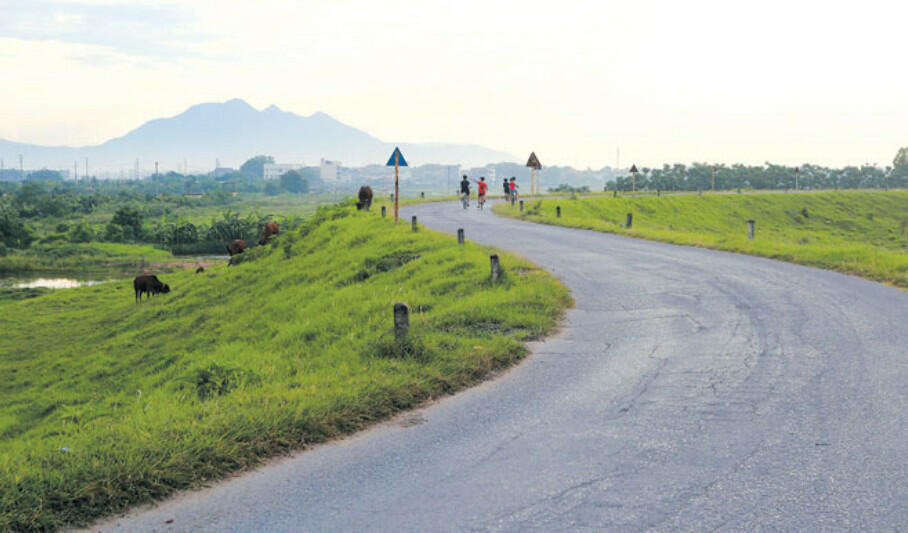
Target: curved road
689,390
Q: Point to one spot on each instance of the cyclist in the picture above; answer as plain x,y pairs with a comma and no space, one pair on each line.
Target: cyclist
513,187
481,193
465,191
507,189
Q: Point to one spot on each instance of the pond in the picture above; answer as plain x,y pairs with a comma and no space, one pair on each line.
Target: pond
69,280
49,281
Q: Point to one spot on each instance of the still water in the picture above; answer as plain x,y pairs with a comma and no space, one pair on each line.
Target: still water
48,281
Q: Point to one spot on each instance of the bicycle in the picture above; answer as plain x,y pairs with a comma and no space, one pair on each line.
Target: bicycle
465,199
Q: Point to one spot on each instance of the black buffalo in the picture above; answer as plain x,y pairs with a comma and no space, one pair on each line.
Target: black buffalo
365,198
149,284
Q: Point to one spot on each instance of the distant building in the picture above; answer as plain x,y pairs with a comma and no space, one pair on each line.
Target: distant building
274,171
328,170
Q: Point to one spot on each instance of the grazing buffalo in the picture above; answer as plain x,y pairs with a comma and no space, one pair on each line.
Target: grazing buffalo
270,229
149,284
236,247
200,269
365,198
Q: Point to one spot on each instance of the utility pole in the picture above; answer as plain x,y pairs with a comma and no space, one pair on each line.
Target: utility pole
86,168
21,169
76,171
634,180
797,174
136,176
714,178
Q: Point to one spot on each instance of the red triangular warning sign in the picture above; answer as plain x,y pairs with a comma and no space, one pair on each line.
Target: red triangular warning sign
533,161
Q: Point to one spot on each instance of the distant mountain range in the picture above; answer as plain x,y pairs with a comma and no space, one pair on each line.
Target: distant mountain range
234,131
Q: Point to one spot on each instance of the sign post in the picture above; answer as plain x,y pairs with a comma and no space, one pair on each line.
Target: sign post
533,163
397,160
634,180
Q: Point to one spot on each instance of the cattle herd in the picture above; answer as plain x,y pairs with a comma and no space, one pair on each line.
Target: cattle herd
149,284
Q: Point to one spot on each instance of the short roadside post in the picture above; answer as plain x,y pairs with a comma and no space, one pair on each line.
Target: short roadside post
521,205
413,222
401,321
383,211
397,160
558,211
750,229
422,195
496,267
630,221
460,237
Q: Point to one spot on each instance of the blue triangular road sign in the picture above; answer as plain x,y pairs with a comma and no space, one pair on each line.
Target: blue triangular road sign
401,162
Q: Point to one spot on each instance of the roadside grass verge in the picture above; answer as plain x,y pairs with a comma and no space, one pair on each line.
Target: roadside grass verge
106,402
861,233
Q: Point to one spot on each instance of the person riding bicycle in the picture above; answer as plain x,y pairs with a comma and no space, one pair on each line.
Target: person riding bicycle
481,193
513,187
465,190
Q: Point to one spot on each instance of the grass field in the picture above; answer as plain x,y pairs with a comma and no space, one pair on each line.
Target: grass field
106,402
862,233
81,257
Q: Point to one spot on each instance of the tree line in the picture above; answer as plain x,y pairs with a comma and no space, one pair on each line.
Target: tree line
704,177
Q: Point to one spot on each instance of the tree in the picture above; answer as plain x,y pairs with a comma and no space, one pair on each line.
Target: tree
44,175
128,217
255,167
292,181
272,188
901,159
13,231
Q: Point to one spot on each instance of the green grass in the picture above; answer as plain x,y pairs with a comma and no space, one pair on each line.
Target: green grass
862,233
105,402
63,256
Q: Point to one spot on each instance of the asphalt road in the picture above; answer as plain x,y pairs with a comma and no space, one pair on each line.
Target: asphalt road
689,390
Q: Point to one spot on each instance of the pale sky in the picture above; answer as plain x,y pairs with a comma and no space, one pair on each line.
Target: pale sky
666,81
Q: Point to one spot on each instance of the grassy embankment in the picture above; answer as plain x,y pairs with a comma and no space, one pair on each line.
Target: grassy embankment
862,233
106,402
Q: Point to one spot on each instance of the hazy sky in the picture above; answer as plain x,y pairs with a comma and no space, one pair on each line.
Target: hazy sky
699,80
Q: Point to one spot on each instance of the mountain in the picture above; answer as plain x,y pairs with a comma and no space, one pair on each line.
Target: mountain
234,131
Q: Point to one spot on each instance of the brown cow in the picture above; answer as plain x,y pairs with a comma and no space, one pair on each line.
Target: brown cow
149,284
236,247
270,229
365,198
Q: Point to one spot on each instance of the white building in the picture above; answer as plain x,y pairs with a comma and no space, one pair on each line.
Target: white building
274,171
328,170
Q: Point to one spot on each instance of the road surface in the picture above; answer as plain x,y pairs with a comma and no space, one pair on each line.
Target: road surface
689,390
